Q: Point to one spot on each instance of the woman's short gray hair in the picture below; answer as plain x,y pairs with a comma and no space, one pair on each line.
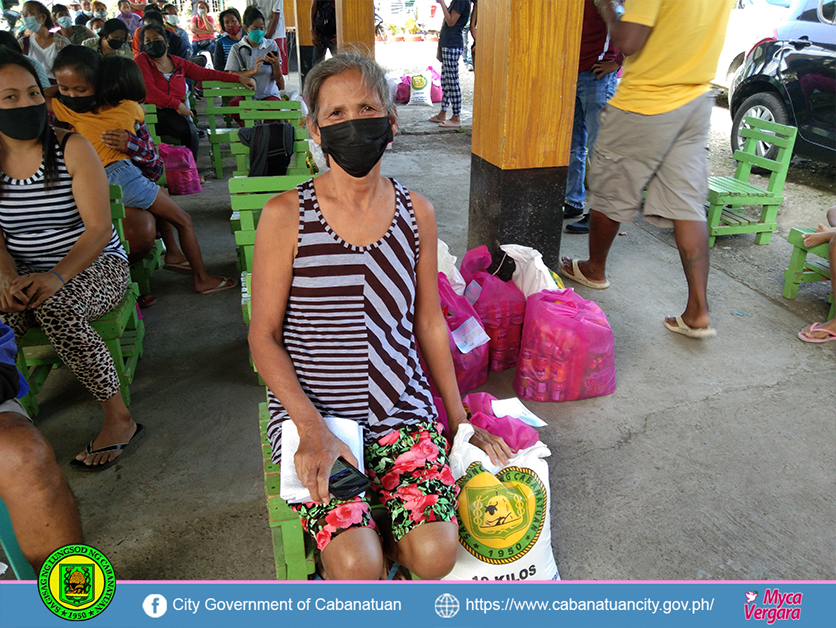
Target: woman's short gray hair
372,75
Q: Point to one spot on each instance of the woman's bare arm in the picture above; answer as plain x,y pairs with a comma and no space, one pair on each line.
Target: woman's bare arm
275,250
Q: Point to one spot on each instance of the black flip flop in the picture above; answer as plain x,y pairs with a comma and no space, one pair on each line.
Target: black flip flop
79,465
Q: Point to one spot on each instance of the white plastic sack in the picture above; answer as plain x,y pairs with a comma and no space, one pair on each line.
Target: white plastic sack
447,265
295,95
318,156
531,275
503,513
393,81
420,88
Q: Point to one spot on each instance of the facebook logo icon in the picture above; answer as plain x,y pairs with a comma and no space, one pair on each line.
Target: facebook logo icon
155,605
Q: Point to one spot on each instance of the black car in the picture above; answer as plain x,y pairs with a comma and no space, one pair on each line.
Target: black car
790,78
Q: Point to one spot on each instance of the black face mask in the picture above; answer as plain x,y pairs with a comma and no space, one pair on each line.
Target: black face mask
155,49
357,145
23,123
116,44
79,104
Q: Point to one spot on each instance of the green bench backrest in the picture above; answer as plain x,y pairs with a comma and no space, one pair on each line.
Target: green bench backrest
779,135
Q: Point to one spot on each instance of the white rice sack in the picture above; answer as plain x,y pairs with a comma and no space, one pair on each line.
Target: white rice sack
503,513
420,88
447,265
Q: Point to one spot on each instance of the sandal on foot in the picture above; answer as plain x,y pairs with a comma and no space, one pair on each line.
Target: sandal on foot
690,332
576,275
146,300
180,267
79,465
226,284
816,328
449,124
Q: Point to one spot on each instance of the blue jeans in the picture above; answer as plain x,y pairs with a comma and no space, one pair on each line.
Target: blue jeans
591,96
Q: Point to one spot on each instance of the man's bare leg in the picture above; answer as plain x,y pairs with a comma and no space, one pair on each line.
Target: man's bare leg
42,507
602,232
692,241
831,324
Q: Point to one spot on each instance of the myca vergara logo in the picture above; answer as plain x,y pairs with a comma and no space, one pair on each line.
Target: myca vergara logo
76,582
500,516
776,605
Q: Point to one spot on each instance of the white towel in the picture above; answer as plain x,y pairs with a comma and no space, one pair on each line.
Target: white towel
348,431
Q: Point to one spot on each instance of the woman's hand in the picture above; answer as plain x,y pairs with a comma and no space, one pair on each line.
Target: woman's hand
496,448
35,288
247,82
9,302
317,453
271,58
116,139
183,110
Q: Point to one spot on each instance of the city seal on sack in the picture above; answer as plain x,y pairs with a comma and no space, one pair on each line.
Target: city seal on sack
503,514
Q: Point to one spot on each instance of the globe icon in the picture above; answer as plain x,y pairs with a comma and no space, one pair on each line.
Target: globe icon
446,606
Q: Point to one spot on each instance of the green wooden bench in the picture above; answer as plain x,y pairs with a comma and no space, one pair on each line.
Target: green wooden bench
248,196
728,195
804,270
262,111
22,568
121,329
220,135
292,550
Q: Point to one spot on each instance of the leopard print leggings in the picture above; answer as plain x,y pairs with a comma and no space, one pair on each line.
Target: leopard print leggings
63,317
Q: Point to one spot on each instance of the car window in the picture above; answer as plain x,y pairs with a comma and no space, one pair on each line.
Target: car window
828,11
806,11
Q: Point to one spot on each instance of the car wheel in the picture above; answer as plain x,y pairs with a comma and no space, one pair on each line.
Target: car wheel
765,106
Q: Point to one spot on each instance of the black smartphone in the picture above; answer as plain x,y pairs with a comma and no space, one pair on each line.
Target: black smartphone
346,481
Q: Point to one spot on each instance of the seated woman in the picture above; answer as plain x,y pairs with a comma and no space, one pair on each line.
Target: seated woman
75,33
172,20
257,57
203,29
42,45
7,40
230,22
95,25
356,245
825,234
99,96
112,39
61,262
176,46
132,20
165,80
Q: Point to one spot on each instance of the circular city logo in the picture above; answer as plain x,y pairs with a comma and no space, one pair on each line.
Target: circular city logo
500,516
77,582
419,81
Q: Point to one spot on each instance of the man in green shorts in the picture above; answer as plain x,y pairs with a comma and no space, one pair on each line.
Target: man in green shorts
653,135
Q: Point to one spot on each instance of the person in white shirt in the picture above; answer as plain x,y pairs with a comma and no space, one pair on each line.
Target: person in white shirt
273,12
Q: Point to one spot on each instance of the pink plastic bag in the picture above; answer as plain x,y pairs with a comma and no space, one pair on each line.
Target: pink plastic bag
404,87
501,306
180,170
435,88
473,261
517,434
567,349
472,367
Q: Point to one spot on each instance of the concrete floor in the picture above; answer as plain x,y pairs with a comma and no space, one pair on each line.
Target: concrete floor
713,460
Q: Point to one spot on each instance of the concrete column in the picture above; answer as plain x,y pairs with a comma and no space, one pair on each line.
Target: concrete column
290,29
355,25
523,111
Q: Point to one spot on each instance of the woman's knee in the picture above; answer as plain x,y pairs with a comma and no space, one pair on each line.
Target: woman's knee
140,232
355,554
431,549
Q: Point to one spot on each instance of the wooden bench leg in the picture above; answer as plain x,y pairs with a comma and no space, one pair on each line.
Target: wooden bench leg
715,211
792,276
769,215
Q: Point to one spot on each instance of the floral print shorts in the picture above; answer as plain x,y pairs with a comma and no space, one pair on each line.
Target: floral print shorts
408,472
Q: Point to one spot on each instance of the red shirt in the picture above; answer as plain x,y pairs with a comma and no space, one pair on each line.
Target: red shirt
170,93
595,40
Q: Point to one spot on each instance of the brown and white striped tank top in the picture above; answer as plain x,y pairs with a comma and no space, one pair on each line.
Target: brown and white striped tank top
349,324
